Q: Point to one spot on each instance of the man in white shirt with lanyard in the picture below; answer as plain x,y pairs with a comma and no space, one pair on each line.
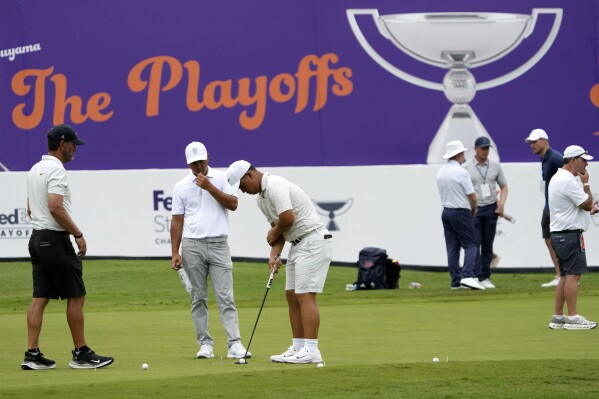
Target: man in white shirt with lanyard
459,207
292,217
56,268
200,225
486,175
570,201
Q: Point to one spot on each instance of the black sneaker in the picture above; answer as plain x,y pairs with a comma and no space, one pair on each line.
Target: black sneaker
89,360
37,361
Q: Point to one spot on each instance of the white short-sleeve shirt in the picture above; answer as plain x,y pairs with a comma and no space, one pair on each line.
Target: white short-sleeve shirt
47,176
455,185
203,215
566,193
279,195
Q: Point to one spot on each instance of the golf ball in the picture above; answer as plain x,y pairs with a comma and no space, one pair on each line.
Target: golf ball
435,359
241,361
320,365
144,366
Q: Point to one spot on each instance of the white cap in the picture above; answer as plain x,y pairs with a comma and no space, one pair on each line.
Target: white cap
454,148
535,135
236,172
574,151
195,151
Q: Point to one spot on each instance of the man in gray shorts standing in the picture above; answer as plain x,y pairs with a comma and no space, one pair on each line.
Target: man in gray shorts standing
570,202
292,217
56,267
200,225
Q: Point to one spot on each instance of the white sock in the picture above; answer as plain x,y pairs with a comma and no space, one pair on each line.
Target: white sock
312,343
297,343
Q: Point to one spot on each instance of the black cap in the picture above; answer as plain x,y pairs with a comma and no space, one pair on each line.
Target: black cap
64,132
482,142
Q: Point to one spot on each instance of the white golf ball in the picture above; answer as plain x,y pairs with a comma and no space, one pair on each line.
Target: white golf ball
320,365
241,361
145,366
435,359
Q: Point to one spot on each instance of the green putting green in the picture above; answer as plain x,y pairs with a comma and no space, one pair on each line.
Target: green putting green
491,344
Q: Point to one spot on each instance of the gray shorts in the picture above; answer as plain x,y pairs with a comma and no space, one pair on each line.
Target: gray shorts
570,255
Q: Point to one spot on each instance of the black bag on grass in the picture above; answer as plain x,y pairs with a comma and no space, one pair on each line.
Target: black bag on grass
376,270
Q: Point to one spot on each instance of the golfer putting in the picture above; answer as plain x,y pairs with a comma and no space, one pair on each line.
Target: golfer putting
293,218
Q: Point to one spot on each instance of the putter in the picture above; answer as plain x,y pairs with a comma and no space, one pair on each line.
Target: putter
270,278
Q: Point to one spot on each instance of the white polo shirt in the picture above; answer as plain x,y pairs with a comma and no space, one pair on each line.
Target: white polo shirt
455,185
279,195
566,193
47,176
203,215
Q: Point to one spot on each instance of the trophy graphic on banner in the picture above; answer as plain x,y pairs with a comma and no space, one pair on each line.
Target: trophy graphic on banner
459,42
332,209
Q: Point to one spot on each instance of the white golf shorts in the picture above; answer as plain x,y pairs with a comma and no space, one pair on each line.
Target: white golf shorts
308,263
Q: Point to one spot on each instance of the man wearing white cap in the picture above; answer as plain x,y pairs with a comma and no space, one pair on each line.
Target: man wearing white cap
292,217
200,225
570,201
459,208
552,160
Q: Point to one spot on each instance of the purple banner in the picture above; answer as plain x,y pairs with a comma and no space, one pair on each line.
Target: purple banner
279,83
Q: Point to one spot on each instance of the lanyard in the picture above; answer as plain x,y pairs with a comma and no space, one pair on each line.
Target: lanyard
481,173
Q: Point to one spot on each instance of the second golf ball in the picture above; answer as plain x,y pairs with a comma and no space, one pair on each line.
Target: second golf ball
241,361
320,365
435,359
144,366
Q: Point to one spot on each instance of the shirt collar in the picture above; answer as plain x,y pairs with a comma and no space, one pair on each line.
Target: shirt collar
51,158
486,163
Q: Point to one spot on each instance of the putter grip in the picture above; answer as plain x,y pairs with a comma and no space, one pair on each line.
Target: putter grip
272,276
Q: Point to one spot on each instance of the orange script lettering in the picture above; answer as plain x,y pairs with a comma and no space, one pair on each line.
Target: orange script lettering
160,74
78,113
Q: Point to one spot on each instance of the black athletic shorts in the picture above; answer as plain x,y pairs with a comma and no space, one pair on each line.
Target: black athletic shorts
545,224
57,270
568,247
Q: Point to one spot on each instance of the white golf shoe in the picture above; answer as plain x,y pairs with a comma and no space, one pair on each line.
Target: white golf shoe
237,351
306,355
472,283
578,322
282,358
487,283
557,322
206,352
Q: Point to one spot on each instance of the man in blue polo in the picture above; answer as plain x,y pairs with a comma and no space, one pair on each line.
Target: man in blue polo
551,161
486,175
459,207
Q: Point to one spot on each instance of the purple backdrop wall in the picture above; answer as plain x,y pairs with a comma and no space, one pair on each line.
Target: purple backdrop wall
280,83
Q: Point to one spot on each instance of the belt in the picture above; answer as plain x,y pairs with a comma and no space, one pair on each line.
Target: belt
579,231
215,239
297,240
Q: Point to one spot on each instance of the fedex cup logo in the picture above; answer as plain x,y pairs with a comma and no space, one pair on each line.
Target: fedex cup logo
458,42
15,224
